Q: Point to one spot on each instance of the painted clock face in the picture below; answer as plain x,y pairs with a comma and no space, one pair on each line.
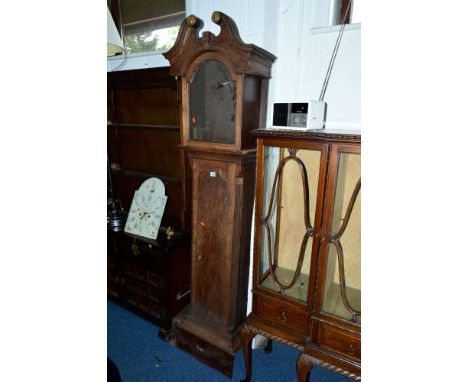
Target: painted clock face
147,209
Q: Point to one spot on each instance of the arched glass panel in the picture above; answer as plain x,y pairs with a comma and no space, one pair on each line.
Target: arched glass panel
212,104
342,294
290,184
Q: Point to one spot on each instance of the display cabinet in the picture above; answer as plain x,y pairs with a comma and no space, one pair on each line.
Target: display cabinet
306,276
224,86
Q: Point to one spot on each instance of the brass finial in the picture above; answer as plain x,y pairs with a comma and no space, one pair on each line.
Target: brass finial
192,20
216,17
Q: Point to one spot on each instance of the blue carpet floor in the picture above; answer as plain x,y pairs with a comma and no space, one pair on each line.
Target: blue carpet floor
133,345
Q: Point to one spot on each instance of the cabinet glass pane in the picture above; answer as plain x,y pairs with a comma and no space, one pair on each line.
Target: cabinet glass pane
290,183
212,104
342,294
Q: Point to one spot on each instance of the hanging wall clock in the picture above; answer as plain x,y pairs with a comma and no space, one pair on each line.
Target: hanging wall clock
147,209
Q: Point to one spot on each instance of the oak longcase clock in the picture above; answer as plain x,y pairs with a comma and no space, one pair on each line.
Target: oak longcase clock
224,85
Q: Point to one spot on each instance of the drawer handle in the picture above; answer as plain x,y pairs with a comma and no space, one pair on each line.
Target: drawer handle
283,317
135,249
350,350
199,348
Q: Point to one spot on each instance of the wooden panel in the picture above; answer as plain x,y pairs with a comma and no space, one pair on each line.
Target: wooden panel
283,314
150,150
241,237
251,110
147,106
141,79
210,248
339,341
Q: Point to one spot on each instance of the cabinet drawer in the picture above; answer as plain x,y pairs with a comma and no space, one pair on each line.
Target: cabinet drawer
129,269
154,279
340,342
113,288
140,273
136,286
155,311
286,315
153,294
136,250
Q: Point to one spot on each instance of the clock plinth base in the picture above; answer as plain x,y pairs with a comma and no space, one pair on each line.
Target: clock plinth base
205,343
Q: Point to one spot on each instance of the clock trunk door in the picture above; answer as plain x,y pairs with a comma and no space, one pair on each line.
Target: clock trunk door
211,248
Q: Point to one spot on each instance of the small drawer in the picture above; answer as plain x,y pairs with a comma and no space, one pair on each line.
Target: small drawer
141,302
286,315
204,351
156,281
153,279
129,269
339,341
113,289
135,285
140,273
155,312
130,284
153,294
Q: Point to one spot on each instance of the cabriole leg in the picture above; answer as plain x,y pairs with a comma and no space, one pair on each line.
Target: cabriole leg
304,365
247,336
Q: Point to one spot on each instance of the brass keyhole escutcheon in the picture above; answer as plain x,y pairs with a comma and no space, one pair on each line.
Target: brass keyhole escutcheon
135,249
169,233
350,349
283,317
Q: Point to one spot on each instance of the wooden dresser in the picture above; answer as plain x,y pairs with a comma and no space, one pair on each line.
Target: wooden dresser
150,277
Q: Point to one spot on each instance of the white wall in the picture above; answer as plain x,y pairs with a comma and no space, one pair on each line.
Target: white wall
303,54
296,32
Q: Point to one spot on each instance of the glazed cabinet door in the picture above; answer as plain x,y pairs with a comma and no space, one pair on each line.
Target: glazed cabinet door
289,218
340,250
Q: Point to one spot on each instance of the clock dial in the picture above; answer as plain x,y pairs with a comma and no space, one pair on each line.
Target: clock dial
147,209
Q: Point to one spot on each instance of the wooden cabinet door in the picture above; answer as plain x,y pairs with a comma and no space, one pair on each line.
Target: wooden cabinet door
213,216
289,216
339,297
